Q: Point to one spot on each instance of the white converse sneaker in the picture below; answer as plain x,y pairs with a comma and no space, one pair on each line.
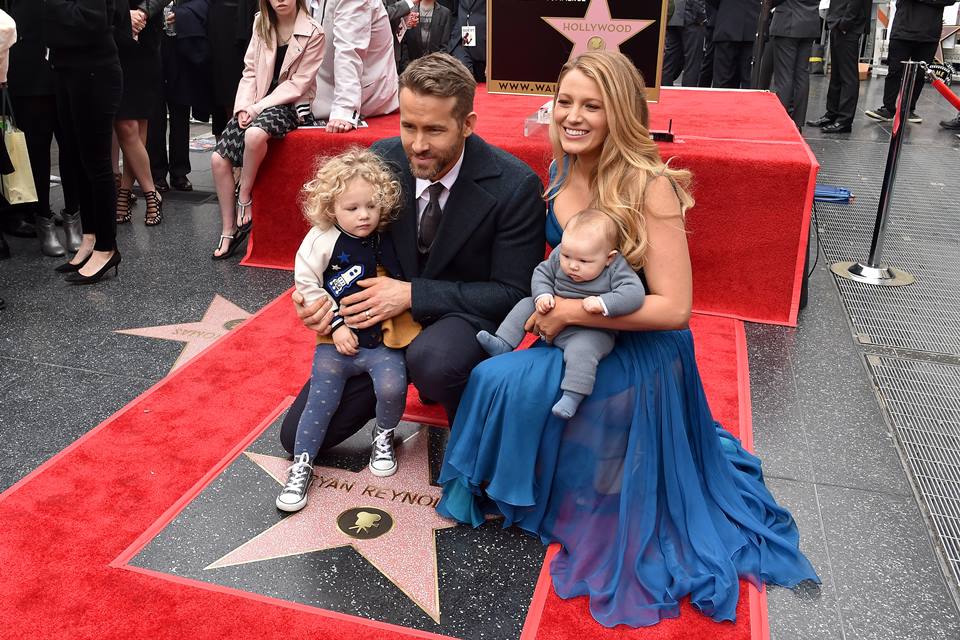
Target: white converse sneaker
299,476
383,460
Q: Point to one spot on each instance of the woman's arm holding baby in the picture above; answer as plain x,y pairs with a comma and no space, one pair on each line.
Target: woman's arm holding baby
667,271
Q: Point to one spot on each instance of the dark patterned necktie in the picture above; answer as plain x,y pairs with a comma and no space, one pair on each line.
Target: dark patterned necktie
430,219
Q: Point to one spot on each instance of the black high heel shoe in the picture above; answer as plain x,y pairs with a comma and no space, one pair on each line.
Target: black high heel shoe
67,267
112,263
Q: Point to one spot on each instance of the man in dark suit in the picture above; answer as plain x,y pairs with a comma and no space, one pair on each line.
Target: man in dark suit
683,49
795,25
847,20
468,239
733,38
468,42
430,34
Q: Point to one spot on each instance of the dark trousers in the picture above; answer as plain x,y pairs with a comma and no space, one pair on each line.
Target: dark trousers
897,53
791,74
844,88
439,362
177,164
87,100
731,64
706,68
36,116
683,51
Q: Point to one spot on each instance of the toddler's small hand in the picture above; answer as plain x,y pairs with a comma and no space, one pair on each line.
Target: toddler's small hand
592,305
345,340
545,304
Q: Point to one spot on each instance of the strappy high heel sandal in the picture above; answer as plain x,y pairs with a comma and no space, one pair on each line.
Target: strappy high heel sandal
154,213
124,205
234,243
243,228
117,178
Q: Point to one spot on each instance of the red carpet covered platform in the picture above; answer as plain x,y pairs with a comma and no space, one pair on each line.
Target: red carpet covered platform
754,180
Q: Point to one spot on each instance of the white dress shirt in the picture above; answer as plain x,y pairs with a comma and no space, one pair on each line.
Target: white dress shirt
423,196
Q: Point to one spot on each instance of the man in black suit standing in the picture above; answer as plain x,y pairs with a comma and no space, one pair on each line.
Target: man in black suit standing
796,24
468,239
683,49
847,20
468,42
733,37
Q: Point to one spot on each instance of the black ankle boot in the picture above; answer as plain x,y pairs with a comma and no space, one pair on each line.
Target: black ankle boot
73,230
4,248
49,242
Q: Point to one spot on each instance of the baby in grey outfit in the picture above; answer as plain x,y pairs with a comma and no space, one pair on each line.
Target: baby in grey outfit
586,266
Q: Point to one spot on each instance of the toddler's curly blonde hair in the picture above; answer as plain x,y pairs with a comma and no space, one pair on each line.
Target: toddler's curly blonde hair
331,177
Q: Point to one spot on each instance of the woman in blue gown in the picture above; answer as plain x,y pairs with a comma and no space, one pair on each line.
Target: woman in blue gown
650,499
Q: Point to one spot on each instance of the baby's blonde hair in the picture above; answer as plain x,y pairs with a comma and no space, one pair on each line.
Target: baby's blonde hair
331,177
598,222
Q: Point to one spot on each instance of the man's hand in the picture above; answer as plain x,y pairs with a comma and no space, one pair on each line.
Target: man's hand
339,126
412,19
345,341
138,20
544,304
548,325
592,304
381,298
244,118
317,316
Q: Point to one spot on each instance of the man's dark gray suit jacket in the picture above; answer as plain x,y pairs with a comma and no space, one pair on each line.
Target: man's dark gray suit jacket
491,236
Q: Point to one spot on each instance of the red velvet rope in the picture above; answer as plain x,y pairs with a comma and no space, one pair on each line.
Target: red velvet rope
944,90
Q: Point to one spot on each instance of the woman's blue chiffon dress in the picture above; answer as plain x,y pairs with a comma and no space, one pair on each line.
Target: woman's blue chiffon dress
650,498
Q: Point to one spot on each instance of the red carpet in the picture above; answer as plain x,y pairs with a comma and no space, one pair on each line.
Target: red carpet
754,178
67,524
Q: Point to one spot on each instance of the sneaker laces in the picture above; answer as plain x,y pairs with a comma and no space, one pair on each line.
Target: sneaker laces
298,473
383,445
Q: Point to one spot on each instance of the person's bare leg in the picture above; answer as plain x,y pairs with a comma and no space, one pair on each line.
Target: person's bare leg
254,150
222,171
86,248
136,162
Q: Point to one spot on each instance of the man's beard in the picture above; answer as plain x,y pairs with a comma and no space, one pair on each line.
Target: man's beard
439,162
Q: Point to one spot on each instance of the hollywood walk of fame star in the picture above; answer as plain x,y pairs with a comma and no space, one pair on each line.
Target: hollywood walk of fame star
945,32
220,317
597,30
406,554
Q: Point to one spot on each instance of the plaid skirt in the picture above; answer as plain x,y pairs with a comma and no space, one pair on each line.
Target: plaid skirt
277,121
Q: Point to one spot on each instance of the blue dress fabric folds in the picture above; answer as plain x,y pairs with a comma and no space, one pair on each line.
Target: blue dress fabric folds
650,498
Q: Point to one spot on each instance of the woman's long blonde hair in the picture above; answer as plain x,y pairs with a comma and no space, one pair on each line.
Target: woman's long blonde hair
629,158
332,175
267,21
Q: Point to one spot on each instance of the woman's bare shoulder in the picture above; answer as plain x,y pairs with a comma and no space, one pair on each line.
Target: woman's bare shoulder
660,198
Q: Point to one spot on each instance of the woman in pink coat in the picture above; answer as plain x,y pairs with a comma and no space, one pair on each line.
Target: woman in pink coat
280,72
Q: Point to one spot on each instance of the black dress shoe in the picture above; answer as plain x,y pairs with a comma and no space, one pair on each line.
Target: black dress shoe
837,127
822,121
181,184
161,185
19,228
